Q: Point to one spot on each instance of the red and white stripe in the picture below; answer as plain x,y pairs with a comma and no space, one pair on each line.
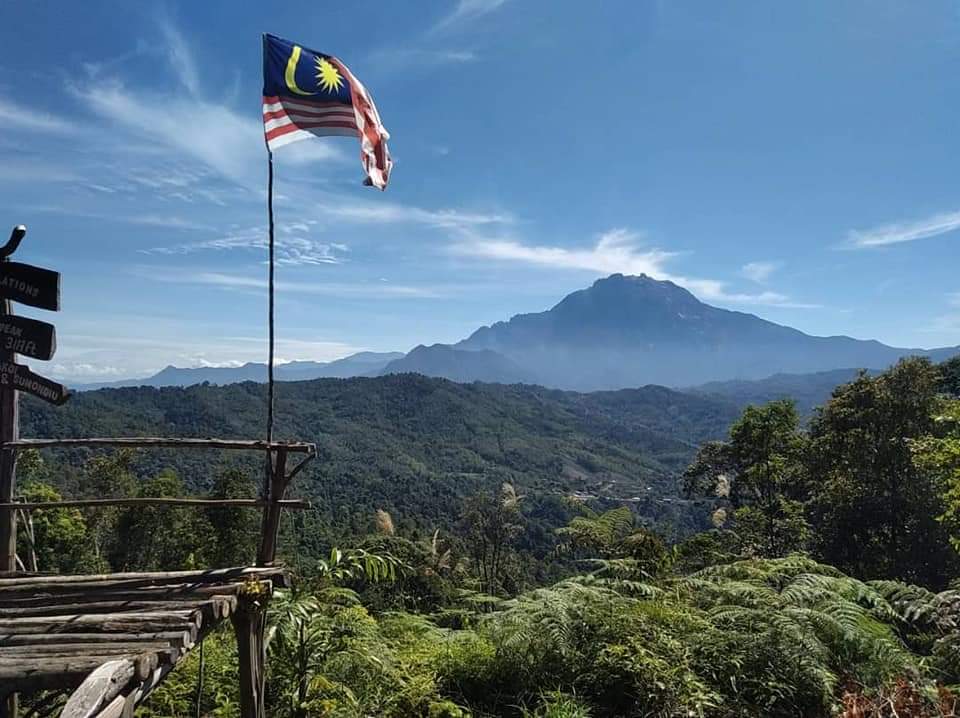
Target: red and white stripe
288,119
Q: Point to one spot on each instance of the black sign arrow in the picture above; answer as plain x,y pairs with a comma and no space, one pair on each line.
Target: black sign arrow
19,377
31,285
27,336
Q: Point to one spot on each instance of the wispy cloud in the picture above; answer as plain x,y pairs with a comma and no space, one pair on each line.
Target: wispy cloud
360,290
180,56
32,119
615,251
195,128
145,219
618,250
388,213
759,272
898,232
465,11
404,58
291,250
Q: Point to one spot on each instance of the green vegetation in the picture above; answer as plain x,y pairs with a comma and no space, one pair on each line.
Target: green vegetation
814,574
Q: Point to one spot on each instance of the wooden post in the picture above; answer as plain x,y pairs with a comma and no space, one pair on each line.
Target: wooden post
276,486
249,626
9,431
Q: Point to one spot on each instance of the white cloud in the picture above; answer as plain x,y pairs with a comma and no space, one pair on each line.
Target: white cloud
228,143
180,57
32,119
615,251
386,213
291,250
466,11
904,231
75,369
759,271
378,290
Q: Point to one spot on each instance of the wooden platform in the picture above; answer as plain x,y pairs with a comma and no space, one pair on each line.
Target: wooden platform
111,638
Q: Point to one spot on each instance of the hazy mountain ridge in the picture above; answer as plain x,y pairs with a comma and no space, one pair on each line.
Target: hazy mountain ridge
359,364
442,360
632,331
621,332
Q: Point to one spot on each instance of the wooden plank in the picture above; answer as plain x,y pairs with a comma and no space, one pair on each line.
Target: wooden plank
293,447
30,285
107,623
46,675
113,710
209,576
21,378
217,606
296,504
29,337
149,592
177,639
100,648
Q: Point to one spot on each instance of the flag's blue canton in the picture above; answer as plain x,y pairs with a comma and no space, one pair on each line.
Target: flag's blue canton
291,70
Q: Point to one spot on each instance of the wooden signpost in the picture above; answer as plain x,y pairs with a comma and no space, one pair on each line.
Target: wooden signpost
36,287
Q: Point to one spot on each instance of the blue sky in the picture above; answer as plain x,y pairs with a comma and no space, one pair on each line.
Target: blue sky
794,160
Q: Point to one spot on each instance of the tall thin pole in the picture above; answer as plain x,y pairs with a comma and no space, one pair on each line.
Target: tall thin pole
270,290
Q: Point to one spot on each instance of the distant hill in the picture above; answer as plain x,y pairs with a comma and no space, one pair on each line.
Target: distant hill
632,331
441,360
360,364
807,390
416,446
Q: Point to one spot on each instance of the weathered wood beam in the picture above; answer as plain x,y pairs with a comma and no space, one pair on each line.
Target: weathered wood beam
294,447
296,504
100,648
209,576
101,686
249,625
108,623
152,592
216,606
276,486
177,639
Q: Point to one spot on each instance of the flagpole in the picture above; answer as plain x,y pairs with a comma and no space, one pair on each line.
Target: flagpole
270,320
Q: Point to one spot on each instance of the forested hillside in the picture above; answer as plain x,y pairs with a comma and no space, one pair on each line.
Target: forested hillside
477,551
413,445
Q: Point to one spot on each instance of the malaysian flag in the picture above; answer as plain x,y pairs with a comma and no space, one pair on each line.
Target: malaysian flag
309,94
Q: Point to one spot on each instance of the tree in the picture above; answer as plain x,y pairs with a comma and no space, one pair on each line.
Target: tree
875,507
59,534
760,472
160,537
107,476
491,522
234,530
614,534
939,455
949,382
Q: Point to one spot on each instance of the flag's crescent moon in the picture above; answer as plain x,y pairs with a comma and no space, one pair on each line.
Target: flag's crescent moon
289,75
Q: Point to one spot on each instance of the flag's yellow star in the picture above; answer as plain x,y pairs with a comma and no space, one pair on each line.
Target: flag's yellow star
328,79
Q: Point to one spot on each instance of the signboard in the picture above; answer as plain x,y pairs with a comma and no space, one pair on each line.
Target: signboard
19,377
30,285
27,336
